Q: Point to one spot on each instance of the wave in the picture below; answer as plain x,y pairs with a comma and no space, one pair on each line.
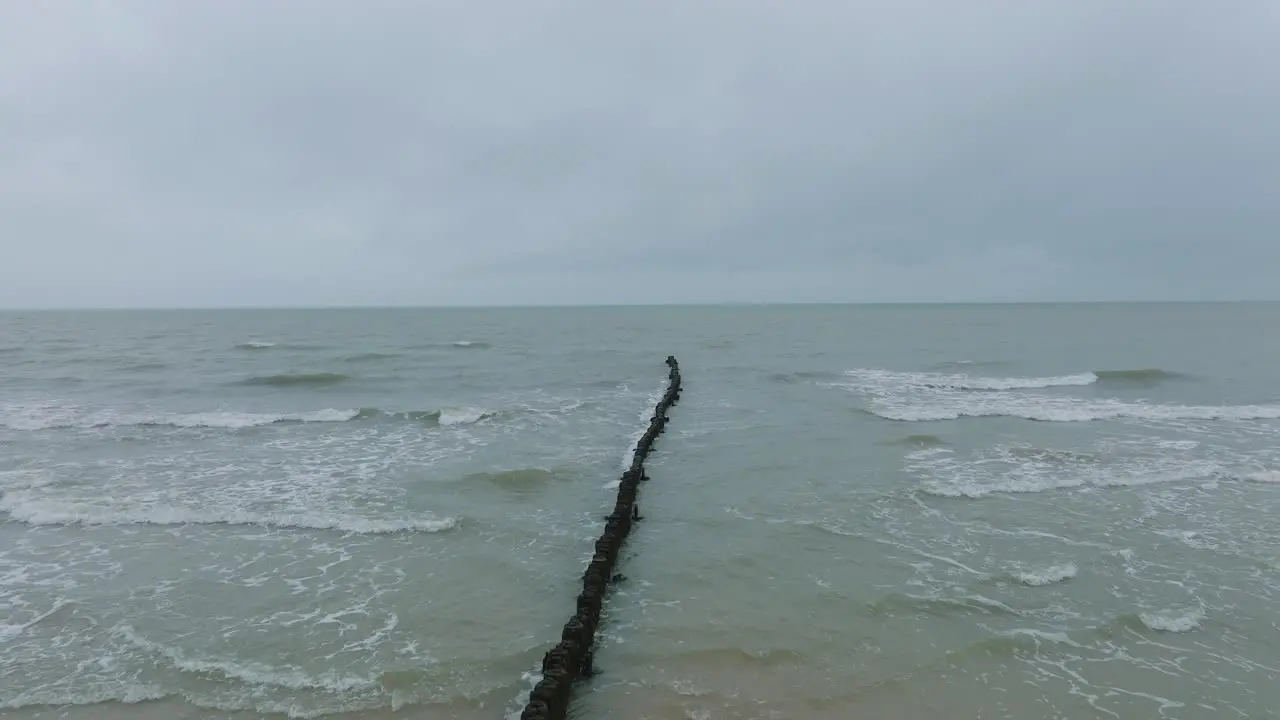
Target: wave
289,677
20,506
52,417
1170,620
967,364
522,479
902,604
370,357
298,379
255,345
1058,409
470,344
1008,643
145,367
883,380
445,417
1142,376
1264,476
55,419
130,694
920,440
1001,470
1048,575
801,376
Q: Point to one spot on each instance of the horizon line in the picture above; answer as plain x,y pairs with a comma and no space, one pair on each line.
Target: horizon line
588,306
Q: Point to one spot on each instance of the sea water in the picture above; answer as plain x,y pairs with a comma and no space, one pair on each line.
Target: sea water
1018,511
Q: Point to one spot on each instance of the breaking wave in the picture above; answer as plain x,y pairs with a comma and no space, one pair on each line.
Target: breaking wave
886,379
1047,576
1060,409
255,345
883,379
470,344
289,677
1264,476
1174,621
445,417
298,379
521,480
930,397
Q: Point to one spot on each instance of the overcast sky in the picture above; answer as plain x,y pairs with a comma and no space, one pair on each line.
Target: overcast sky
357,152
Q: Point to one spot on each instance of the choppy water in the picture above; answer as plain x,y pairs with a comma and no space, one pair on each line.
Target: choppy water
874,512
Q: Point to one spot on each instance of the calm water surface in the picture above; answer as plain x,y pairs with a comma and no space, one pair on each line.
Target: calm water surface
875,512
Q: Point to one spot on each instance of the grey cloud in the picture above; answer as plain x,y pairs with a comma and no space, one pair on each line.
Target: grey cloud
395,152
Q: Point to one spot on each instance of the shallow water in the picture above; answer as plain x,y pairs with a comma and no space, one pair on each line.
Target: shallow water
978,511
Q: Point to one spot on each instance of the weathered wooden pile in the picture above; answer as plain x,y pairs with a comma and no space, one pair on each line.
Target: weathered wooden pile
571,659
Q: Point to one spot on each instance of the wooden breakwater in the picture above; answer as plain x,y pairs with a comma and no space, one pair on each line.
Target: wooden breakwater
571,658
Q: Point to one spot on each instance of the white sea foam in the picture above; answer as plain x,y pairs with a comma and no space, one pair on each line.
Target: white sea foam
1264,476
32,510
1048,576
1177,621
1013,469
24,479
129,694
931,397
1060,409
642,424
529,680
289,677
955,381
256,345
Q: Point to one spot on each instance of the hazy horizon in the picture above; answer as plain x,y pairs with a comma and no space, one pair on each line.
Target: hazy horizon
221,153
585,306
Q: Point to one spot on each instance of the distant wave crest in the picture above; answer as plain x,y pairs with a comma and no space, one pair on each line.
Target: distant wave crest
255,345
370,357
1141,376
298,379
1071,410
54,417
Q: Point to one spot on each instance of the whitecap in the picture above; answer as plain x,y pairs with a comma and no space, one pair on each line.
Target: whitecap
956,381
1176,621
1048,575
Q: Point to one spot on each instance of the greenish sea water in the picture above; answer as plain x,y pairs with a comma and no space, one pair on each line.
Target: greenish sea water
969,511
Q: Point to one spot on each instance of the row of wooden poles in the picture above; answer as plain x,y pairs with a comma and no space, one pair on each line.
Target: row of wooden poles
571,659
